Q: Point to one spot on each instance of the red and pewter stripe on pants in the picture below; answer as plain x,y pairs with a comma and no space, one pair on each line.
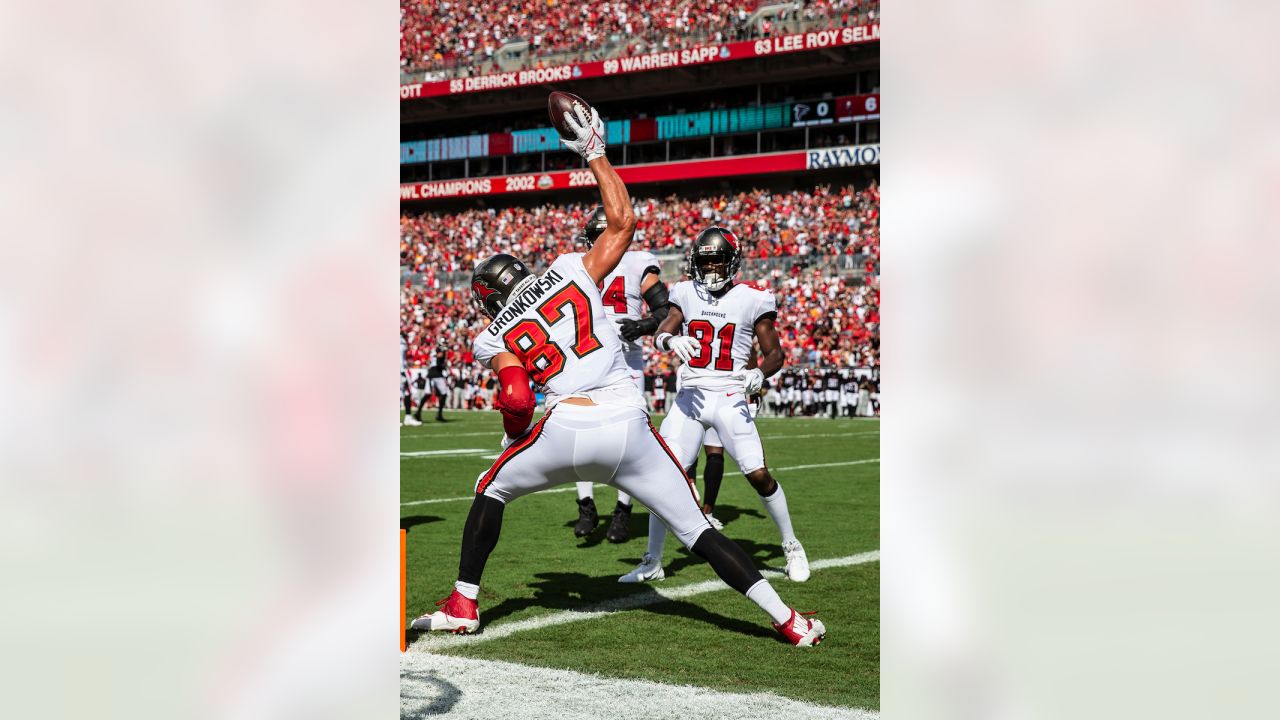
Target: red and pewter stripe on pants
519,447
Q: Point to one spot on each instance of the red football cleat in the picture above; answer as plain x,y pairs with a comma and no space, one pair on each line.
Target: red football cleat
457,614
801,631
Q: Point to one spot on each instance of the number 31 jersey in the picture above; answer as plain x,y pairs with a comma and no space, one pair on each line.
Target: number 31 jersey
724,327
559,331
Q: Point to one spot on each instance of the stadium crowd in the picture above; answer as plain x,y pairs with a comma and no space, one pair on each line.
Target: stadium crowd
826,317
834,223
461,37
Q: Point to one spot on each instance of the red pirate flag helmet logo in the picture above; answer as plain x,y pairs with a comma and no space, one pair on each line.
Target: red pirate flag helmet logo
482,290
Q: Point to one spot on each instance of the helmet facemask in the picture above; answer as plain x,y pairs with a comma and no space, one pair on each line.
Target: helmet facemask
714,269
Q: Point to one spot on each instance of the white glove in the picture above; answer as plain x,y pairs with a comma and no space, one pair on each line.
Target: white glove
685,347
590,132
753,380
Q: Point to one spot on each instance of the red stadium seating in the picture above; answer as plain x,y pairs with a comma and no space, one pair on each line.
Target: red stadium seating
450,36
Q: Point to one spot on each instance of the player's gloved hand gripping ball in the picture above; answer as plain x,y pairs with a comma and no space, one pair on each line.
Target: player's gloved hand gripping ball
579,125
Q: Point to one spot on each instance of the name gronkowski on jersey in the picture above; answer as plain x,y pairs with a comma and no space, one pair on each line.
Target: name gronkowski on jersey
560,332
725,329
620,290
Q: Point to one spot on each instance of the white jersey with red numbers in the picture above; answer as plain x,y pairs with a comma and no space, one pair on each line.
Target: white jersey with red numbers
560,332
620,293
725,328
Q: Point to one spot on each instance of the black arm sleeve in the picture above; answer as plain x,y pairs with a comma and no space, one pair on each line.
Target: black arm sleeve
656,298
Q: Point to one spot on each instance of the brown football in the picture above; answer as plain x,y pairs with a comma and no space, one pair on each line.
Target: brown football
559,103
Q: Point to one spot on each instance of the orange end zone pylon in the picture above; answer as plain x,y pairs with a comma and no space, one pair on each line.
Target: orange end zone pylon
402,590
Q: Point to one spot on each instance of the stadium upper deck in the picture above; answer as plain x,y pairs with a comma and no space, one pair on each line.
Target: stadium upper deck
451,39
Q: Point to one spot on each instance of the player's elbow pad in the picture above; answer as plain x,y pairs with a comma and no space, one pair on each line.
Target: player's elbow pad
515,399
656,298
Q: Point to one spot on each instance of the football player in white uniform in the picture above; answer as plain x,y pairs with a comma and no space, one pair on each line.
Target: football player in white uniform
635,280
553,327
721,320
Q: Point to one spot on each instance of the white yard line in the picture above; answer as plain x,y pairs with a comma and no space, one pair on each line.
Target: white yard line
567,489
820,465
445,453
473,497
460,687
648,594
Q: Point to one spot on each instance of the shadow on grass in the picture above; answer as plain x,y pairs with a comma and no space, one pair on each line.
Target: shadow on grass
575,591
432,694
410,521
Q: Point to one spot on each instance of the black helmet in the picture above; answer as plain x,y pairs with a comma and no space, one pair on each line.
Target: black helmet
596,223
714,258
495,280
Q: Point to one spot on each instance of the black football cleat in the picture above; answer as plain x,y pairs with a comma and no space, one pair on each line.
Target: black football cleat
620,526
588,518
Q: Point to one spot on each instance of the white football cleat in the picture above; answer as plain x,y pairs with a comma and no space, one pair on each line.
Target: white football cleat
649,569
801,631
411,420
797,561
457,615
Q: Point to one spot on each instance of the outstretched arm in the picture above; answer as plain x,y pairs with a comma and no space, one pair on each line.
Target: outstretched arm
608,249
620,220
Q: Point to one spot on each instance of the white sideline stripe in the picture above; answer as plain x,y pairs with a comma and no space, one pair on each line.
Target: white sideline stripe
814,435
571,488
444,453
566,489
818,465
462,687
650,594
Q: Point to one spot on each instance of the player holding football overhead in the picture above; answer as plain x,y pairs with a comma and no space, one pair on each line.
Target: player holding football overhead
722,319
554,328
635,280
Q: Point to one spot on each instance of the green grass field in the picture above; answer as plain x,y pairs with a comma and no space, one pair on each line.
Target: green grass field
717,640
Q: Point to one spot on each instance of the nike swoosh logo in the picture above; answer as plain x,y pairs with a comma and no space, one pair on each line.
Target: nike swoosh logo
730,394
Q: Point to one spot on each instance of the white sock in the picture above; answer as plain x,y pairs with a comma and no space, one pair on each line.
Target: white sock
776,505
763,594
657,535
467,590
584,490
624,498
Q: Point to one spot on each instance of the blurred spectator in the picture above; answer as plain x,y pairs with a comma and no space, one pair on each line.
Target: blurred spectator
450,38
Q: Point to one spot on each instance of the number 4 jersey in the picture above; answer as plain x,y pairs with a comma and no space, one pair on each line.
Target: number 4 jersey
724,327
559,331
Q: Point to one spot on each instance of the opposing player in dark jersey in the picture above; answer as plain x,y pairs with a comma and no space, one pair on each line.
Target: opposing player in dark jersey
832,398
437,371
553,328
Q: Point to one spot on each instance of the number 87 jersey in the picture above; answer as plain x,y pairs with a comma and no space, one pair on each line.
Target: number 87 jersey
558,329
724,328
